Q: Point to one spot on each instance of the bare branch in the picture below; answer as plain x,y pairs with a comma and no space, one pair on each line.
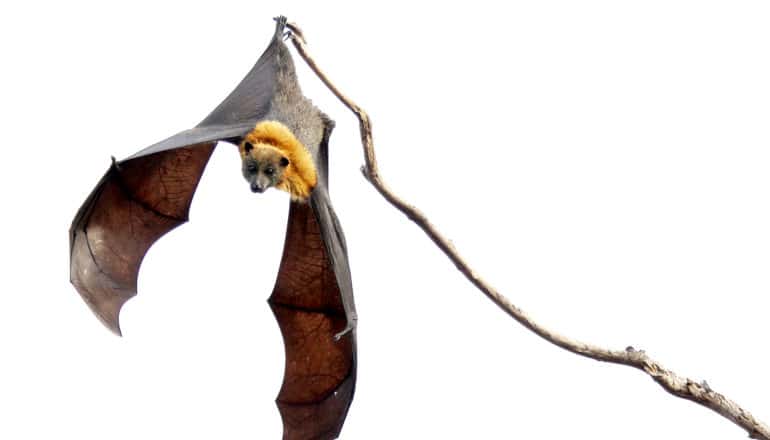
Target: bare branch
679,386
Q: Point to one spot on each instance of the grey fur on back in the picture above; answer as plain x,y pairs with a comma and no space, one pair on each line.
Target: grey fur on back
291,108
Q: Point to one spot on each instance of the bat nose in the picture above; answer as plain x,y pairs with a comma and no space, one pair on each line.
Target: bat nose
255,188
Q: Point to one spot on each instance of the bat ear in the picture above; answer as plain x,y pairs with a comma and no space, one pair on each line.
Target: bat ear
284,162
247,146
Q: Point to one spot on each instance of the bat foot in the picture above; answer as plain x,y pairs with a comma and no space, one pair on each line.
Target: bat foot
280,25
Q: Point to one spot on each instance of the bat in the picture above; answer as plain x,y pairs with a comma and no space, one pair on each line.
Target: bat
283,142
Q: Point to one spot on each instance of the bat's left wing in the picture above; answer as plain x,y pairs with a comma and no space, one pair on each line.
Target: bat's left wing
313,304
143,197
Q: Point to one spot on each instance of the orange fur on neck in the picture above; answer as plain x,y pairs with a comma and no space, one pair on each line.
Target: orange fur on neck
300,177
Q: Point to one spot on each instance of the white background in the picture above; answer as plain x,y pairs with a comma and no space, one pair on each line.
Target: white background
604,164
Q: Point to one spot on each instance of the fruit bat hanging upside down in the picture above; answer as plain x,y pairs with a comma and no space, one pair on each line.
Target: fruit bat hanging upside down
283,143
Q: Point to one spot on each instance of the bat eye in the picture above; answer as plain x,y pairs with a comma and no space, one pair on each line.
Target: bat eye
248,147
284,162
269,171
251,168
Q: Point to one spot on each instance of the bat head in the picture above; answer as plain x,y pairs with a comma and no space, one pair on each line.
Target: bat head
263,166
273,157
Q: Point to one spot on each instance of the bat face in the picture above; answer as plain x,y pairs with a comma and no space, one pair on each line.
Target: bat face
263,166
272,156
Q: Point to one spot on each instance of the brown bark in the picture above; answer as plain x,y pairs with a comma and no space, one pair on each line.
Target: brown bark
698,392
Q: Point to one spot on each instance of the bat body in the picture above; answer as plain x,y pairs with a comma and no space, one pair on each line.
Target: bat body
143,197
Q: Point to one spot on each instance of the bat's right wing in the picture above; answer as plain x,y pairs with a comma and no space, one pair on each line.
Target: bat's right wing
146,195
134,204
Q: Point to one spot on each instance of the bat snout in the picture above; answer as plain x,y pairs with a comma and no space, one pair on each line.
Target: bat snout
257,188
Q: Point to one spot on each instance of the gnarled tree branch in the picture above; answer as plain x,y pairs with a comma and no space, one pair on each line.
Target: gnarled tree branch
698,392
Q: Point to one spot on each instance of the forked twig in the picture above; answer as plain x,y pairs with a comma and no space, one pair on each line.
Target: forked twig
679,386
